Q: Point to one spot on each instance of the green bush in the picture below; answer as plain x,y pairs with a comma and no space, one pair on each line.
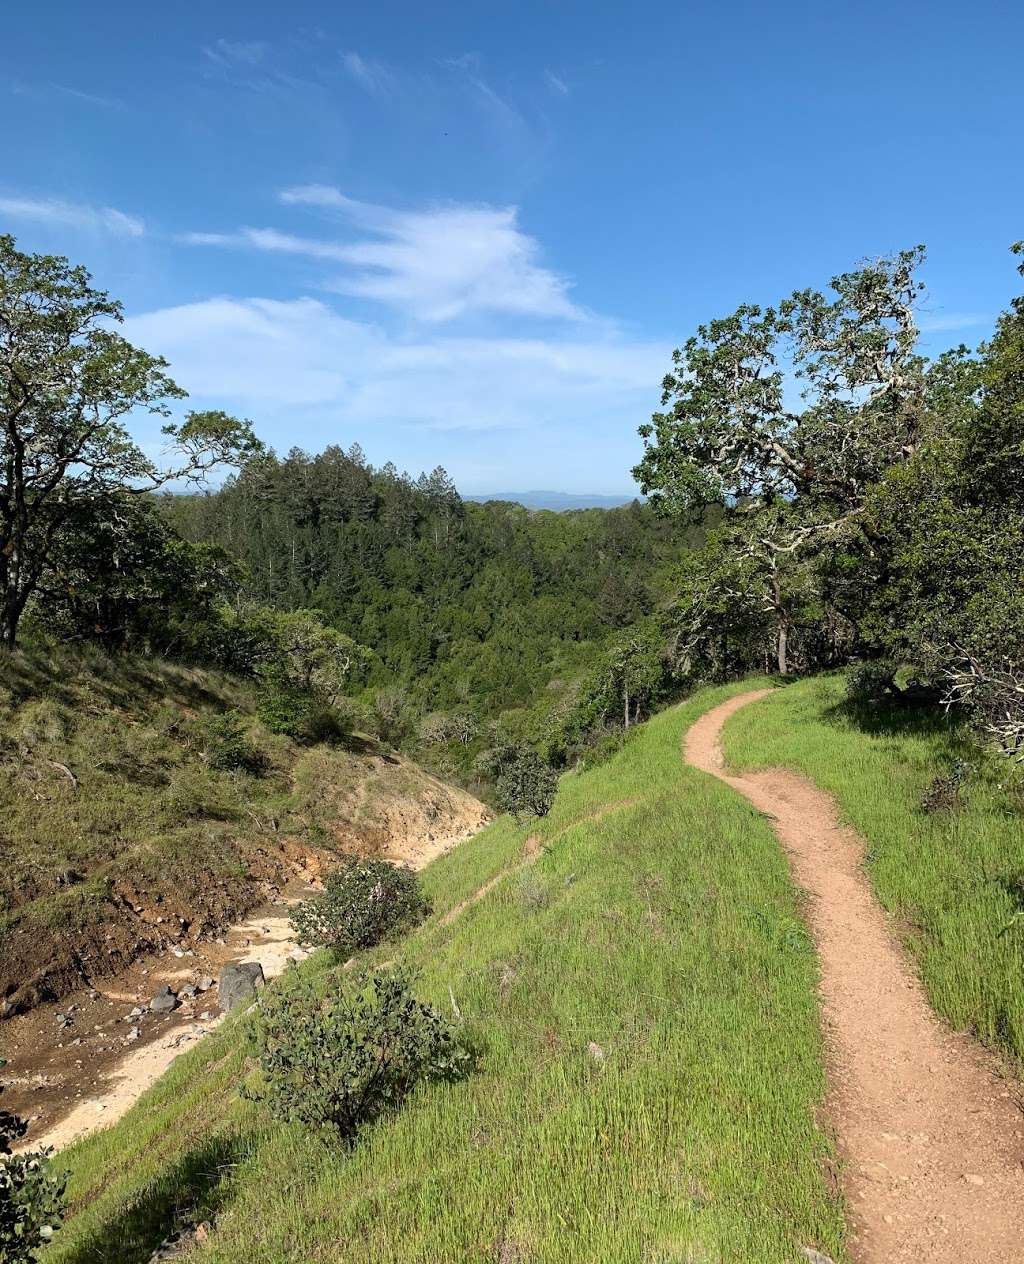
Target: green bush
31,1196
872,681
282,706
329,724
526,785
363,902
340,1061
228,747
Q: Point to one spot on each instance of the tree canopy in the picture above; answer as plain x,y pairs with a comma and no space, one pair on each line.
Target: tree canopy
68,385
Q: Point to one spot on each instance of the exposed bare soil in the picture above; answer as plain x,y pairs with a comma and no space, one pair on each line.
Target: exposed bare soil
930,1132
79,1063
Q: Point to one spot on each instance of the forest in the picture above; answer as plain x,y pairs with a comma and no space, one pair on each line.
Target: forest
819,494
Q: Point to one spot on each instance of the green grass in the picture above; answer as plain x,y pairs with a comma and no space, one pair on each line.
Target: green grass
954,880
666,931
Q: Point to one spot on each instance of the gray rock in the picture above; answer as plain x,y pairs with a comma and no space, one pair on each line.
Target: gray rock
188,991
163,1001
204,984
816,1257
239,983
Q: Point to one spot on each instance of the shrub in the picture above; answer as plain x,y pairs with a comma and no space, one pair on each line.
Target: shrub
31,1196
944,792
872,681
526,785
340,1061
329,724
282,706
363,902
228,747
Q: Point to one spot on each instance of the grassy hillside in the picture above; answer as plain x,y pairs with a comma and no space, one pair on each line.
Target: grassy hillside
651,914
954,878
121,828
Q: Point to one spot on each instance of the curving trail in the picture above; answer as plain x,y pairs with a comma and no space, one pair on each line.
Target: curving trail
931,1138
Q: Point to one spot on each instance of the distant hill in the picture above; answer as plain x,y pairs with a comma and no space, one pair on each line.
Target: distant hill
558,500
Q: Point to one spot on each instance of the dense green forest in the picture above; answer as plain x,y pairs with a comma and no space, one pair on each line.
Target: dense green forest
470,610
820,494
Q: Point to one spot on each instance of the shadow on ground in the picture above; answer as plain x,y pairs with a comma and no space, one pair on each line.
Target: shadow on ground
181,1196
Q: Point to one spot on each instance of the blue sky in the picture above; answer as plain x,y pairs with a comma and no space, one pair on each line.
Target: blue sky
471,233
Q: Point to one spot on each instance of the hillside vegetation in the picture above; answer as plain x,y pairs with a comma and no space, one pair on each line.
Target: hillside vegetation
635,974
143,803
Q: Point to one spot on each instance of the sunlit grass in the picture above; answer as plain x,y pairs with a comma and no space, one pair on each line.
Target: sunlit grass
953,880
661,933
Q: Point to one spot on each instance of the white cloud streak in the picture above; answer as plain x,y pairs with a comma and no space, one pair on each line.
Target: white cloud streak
224,52
372,76
271,357
72,215
435,264
945,322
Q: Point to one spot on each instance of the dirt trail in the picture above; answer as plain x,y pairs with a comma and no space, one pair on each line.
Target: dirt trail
931,1137
117,1083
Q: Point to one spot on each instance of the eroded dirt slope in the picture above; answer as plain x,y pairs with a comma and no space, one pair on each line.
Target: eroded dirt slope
123,832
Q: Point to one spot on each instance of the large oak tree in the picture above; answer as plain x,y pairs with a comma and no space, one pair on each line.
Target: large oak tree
69,382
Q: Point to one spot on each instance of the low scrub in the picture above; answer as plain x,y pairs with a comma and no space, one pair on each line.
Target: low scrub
526,785
364,902
338,1062
871,682
31,1196
227,746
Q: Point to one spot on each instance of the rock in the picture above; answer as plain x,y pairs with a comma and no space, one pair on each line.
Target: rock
816,1257
136,1012
188,992
239,983
204,984
163,1001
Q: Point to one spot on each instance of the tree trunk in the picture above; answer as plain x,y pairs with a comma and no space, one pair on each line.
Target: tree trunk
780,645
781,626
10,617
625,708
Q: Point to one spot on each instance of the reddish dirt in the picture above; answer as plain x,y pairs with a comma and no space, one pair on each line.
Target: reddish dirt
65,1054
931,1136
78,1064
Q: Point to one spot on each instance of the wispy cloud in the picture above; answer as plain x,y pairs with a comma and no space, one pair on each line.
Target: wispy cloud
372,76
275,356
468,68
946,322
556,83
224,52
72,215
434,264
90,98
